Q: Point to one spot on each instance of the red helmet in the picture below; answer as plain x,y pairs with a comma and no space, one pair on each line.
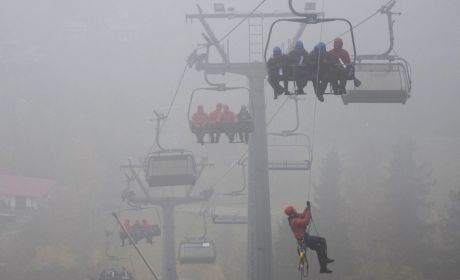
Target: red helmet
290,210
338,43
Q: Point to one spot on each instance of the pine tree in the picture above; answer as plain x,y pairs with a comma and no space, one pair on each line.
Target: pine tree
402,222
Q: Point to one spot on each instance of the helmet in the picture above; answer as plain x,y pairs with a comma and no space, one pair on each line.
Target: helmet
320,46
298,45
276,50
290,210
338,43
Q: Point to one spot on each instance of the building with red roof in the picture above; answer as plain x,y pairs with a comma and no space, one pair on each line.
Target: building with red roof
24,193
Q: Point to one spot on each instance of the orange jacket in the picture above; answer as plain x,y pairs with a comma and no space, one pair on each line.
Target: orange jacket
199,118
228,116
214,116
299,223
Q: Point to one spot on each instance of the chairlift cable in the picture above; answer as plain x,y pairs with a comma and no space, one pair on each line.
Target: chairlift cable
175,95
242,21
361,22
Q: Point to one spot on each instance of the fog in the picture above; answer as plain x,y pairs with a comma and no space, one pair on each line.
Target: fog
79,83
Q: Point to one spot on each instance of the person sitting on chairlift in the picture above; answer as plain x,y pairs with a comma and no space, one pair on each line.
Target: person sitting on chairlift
199,124
321,63
277,72
148,231
228,121
123,234
344,68
297,61
245,124
214,123
299,224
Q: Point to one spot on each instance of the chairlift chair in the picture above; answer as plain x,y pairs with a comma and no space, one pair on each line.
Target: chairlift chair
306,19
301,147
170,168
234,129
382,82
385,78
197,250
232,207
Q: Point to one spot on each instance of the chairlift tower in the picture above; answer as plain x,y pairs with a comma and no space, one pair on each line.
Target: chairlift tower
259,217
169,203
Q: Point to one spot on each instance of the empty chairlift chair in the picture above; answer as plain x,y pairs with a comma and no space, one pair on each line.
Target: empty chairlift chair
196,251
230,209
170,168
385,78
287,155
382,82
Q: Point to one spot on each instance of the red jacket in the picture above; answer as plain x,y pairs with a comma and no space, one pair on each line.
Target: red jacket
199,118
342,54
228,117
214,116
299,223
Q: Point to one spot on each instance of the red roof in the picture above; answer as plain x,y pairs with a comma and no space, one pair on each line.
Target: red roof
24,186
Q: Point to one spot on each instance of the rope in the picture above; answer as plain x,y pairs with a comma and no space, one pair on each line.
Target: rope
242,20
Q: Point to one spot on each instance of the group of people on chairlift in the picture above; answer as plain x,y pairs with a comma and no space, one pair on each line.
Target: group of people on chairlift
222,120
320,66
113,274
139,231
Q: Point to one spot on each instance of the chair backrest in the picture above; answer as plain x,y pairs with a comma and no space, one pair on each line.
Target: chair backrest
171,169
381,83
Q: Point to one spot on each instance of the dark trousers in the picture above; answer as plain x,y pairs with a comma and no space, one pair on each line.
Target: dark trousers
275,83
319,245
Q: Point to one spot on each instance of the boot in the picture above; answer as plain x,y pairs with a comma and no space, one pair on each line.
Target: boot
325,270
330,260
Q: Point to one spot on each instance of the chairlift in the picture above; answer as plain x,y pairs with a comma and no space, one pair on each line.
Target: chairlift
309,18
232,207
385,78
287,150
170,168
236,132
197,250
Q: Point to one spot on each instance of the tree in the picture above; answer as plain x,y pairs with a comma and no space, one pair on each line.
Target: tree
331,217
401,223
285,257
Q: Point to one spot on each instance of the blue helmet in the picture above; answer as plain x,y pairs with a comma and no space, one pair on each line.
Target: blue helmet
276,50
298,45
320,46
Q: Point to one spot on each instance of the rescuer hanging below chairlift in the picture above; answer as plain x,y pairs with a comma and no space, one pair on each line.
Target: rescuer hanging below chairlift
221,120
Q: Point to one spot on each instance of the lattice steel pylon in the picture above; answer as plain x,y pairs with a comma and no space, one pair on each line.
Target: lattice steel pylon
256,38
